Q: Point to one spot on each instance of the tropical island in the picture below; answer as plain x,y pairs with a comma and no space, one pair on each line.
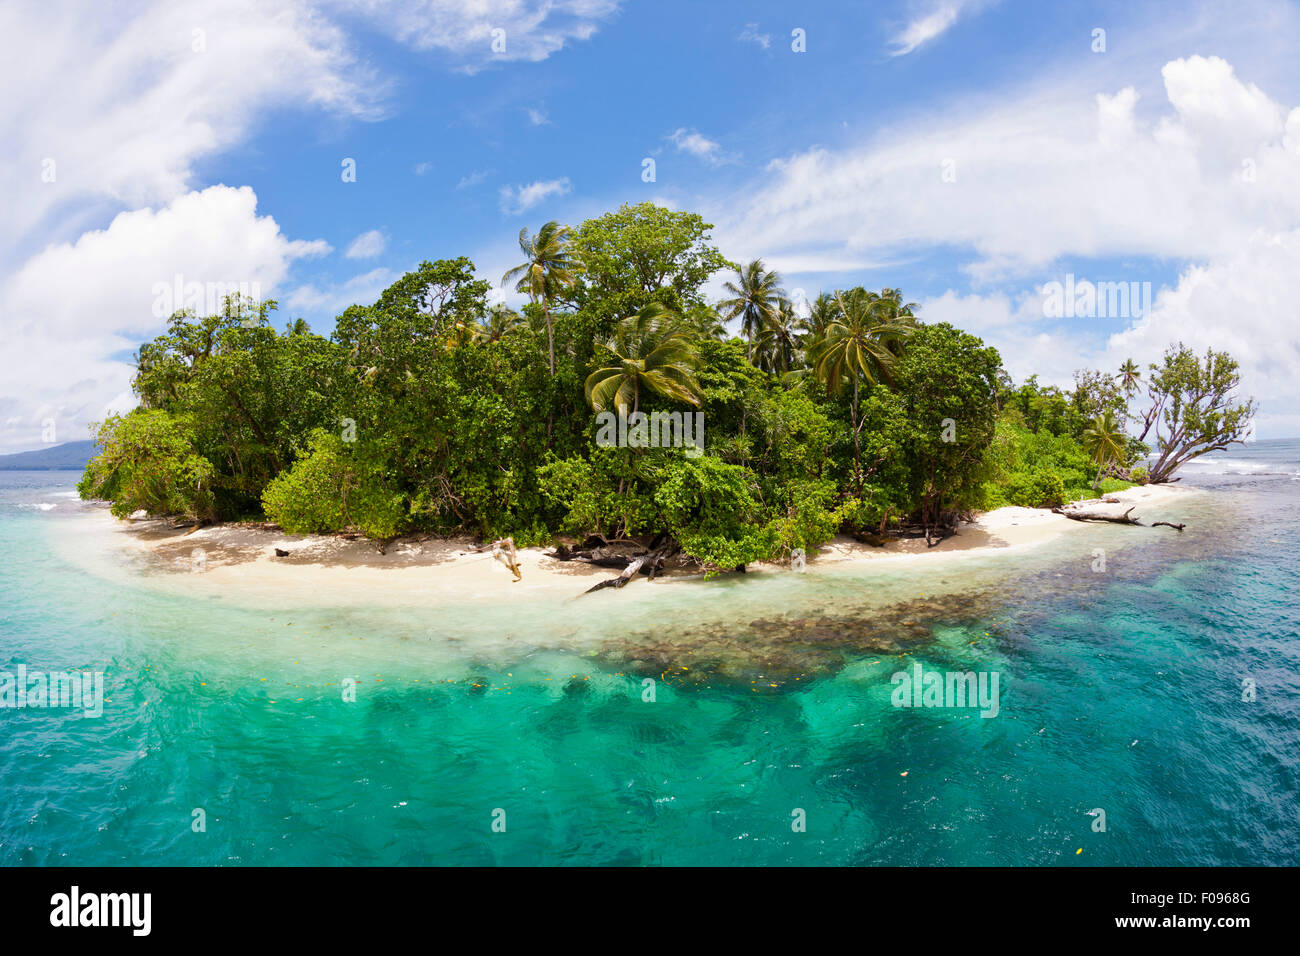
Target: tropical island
615,417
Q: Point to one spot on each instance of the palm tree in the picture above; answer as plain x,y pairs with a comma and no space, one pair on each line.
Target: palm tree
777,347
1128,377
858,344
498,322
1104,442
889,307
548,268
754,299
821,313
650,352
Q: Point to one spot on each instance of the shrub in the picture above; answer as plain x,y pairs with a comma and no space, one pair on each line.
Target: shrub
330,490
1037,488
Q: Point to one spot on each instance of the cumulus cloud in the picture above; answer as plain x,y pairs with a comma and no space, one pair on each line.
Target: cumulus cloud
517,199
119,105
1246,303
1050,175
367,245
74,311
1203,171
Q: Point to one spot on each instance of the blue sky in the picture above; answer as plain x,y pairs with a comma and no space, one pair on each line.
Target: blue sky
968,151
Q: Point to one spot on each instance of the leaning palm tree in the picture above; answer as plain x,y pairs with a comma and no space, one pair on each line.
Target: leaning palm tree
650,352
1104,442
857,345
754,299
548,269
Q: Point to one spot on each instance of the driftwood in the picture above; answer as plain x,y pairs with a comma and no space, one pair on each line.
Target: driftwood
648,562
627,574
503,550
1094,516
1168,524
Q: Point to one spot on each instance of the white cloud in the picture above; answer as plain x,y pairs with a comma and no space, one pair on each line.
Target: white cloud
421,168
124,104
474,178
463,29
537,117
73,305
930,24
367,245
517,199
1206,175
1246,303
751,35
691,141
1052,174
362,289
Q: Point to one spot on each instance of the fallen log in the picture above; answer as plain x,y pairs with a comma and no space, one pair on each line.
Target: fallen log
1168,524
633,567
1094,516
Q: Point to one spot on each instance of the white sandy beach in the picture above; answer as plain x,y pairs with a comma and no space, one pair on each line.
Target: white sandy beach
332,569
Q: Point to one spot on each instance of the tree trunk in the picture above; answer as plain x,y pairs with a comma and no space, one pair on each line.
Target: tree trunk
857,456
550,337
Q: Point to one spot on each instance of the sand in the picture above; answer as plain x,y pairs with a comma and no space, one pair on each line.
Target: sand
334,570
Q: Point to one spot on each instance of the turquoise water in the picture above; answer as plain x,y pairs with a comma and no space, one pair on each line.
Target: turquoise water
1119,690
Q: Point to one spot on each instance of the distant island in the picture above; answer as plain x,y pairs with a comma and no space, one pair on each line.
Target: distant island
70,456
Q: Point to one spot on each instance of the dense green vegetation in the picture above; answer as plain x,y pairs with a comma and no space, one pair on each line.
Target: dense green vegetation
431,411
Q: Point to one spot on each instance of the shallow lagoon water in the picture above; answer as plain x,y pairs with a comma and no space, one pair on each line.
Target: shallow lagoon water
1119,690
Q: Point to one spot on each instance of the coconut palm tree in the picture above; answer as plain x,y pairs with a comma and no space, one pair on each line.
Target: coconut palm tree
754,299
1104,442
1128,377
858,345
498,322
821,313
650,352
777,348
890,307
548,268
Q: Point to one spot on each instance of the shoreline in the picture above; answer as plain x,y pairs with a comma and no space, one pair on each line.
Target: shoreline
242,557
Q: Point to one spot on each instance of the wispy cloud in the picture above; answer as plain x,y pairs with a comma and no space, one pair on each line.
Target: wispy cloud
476,33
517,199
537,117
751,35
924,28
421,168
334,298
698,145
474,178
367,245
